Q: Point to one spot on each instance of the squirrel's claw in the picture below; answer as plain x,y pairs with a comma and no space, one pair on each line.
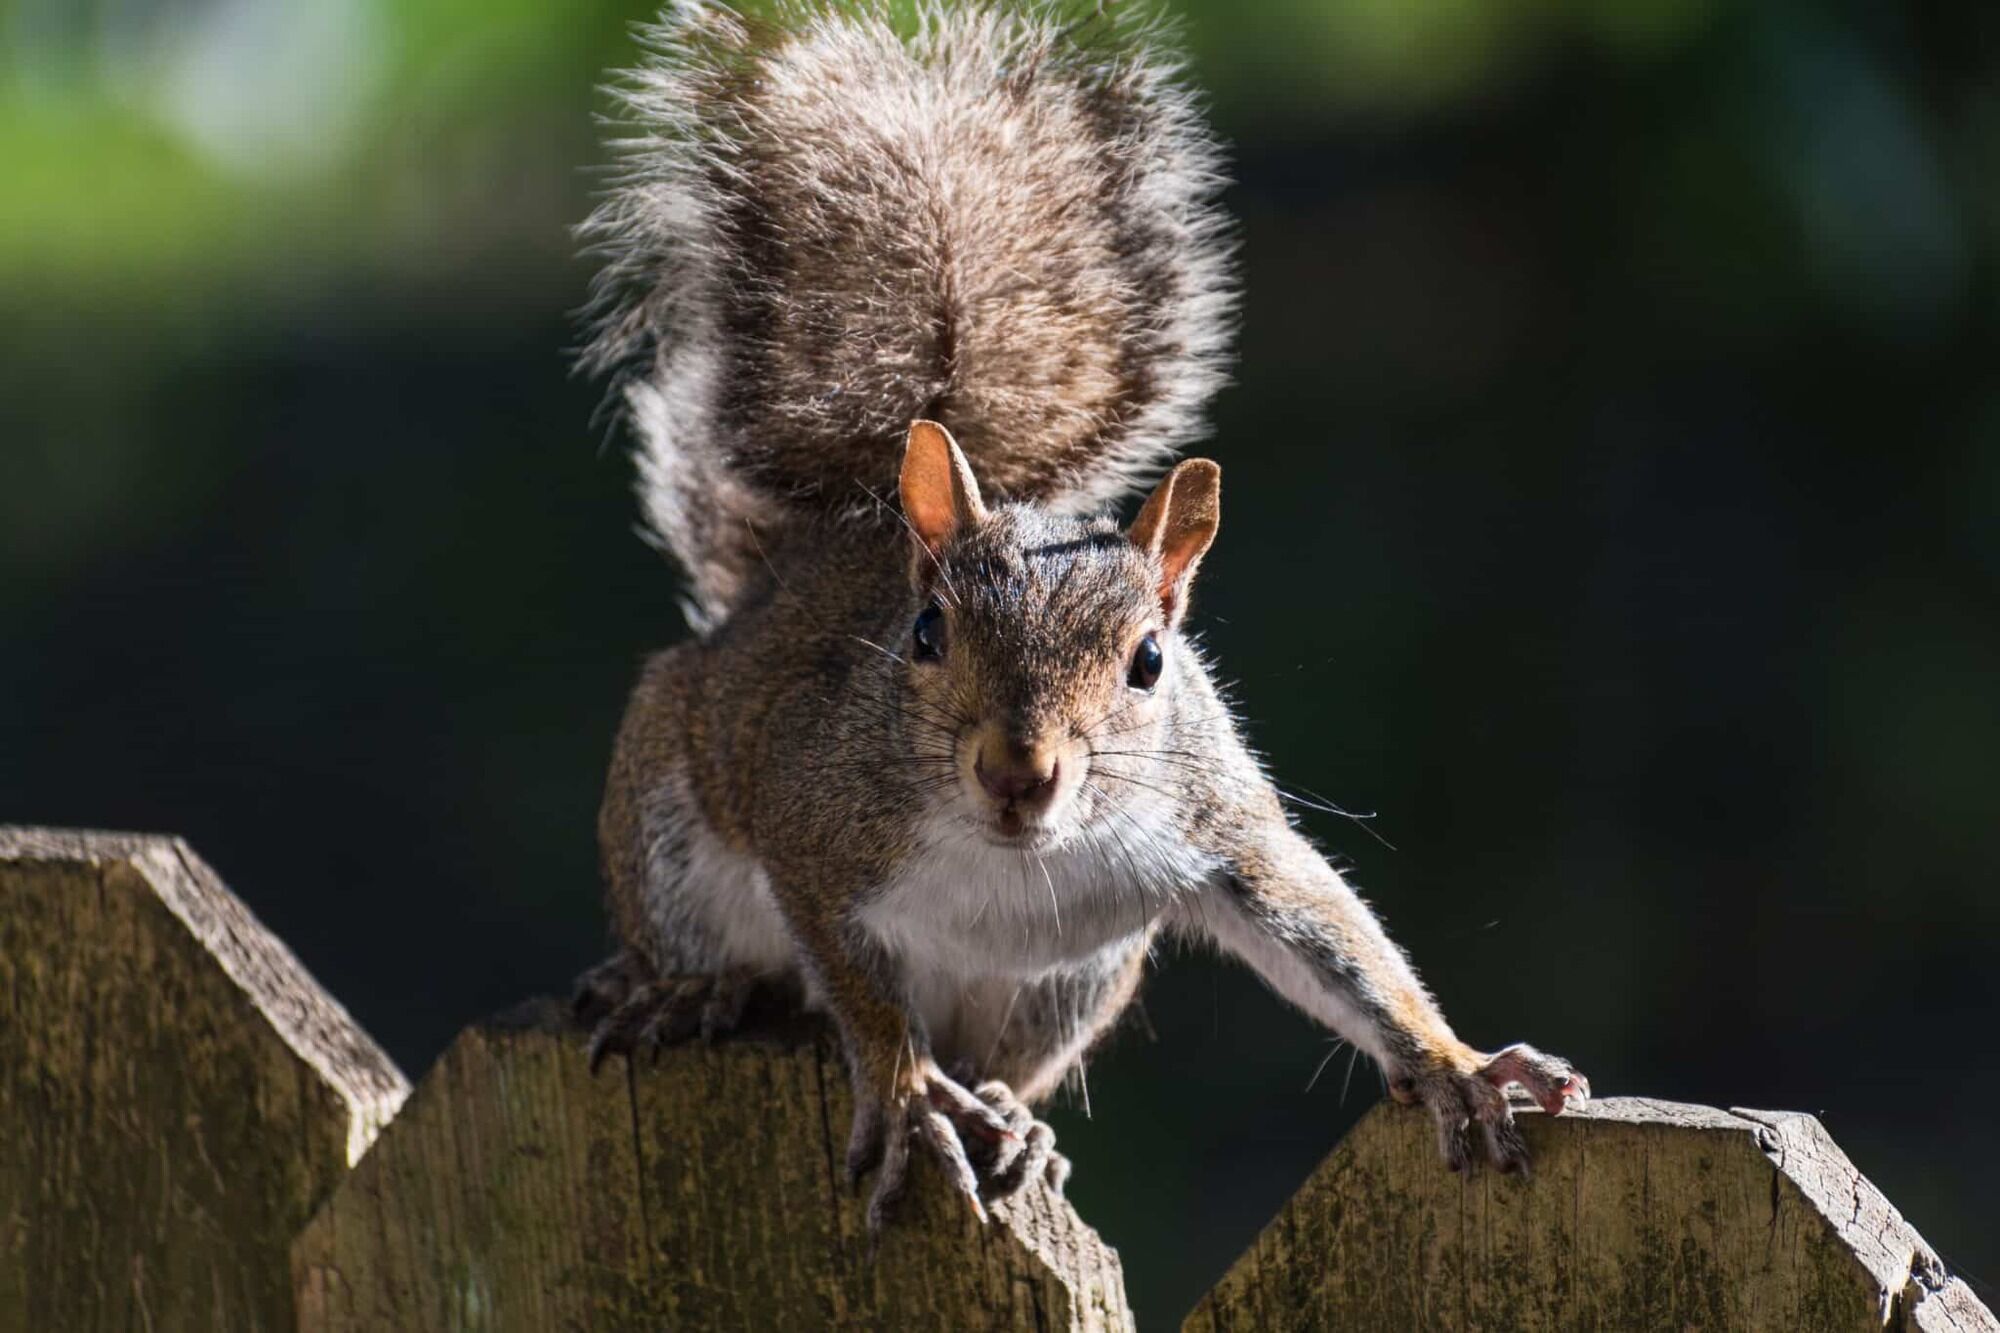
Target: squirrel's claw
1029,1151
650,1016
938,1131
656,1015
1551,1080
1471,1110
968,1112
881,1141
601,989
988,1142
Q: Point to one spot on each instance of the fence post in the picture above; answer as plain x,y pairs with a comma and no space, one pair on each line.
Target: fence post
1639,1214
517,1190
180,1107
176,1094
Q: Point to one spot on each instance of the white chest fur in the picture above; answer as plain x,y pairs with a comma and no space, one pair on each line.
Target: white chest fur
968,907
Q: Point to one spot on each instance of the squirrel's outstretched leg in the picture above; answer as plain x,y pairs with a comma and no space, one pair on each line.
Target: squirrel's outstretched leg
1282,909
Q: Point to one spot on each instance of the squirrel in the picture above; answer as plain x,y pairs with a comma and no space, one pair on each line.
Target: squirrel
896,314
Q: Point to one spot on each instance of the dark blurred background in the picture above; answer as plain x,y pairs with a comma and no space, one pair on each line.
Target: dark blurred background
1614,507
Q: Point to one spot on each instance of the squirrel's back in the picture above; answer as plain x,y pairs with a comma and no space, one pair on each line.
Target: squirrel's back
833,222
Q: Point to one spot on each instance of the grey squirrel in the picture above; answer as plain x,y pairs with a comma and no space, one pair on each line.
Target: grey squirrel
895,317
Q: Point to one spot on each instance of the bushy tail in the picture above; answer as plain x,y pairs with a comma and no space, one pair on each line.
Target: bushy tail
832,222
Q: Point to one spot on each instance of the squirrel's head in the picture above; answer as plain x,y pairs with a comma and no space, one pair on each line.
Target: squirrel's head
1045,657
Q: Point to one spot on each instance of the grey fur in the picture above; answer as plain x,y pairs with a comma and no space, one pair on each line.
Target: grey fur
822,228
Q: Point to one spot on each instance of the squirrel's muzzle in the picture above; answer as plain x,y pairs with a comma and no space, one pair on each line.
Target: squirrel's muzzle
1016,774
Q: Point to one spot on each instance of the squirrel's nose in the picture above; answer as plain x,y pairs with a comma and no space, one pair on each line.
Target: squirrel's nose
1014,772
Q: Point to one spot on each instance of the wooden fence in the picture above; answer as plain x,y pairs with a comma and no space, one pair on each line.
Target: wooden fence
197,1137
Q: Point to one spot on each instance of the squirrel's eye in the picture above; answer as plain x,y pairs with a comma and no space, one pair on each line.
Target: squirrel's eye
928,633
1146,664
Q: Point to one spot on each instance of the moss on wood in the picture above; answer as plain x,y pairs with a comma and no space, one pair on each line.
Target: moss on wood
518,1191
1639,1215
176,1095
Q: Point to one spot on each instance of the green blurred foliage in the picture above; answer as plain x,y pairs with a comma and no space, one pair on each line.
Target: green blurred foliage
145,141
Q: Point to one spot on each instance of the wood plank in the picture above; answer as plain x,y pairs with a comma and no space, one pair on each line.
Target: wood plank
177,1094
1639,1214
518,1191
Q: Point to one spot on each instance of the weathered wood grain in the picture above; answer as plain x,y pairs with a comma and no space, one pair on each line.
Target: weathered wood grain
518,1191
1640,1215
178,1098
176,1094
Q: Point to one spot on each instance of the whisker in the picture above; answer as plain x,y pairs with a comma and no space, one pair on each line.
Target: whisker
1332,1049
1131,781
1320,803
897,658
1054,906
1134,874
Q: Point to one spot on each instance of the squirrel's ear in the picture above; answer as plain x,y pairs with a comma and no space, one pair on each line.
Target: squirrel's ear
1177,525
940,495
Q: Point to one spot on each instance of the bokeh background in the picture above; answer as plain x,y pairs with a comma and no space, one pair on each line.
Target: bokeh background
1614,509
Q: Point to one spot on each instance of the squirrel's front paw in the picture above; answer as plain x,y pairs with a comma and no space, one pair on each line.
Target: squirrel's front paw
1473,1093
1029,1155
1550,1080
651,1015
930,1108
